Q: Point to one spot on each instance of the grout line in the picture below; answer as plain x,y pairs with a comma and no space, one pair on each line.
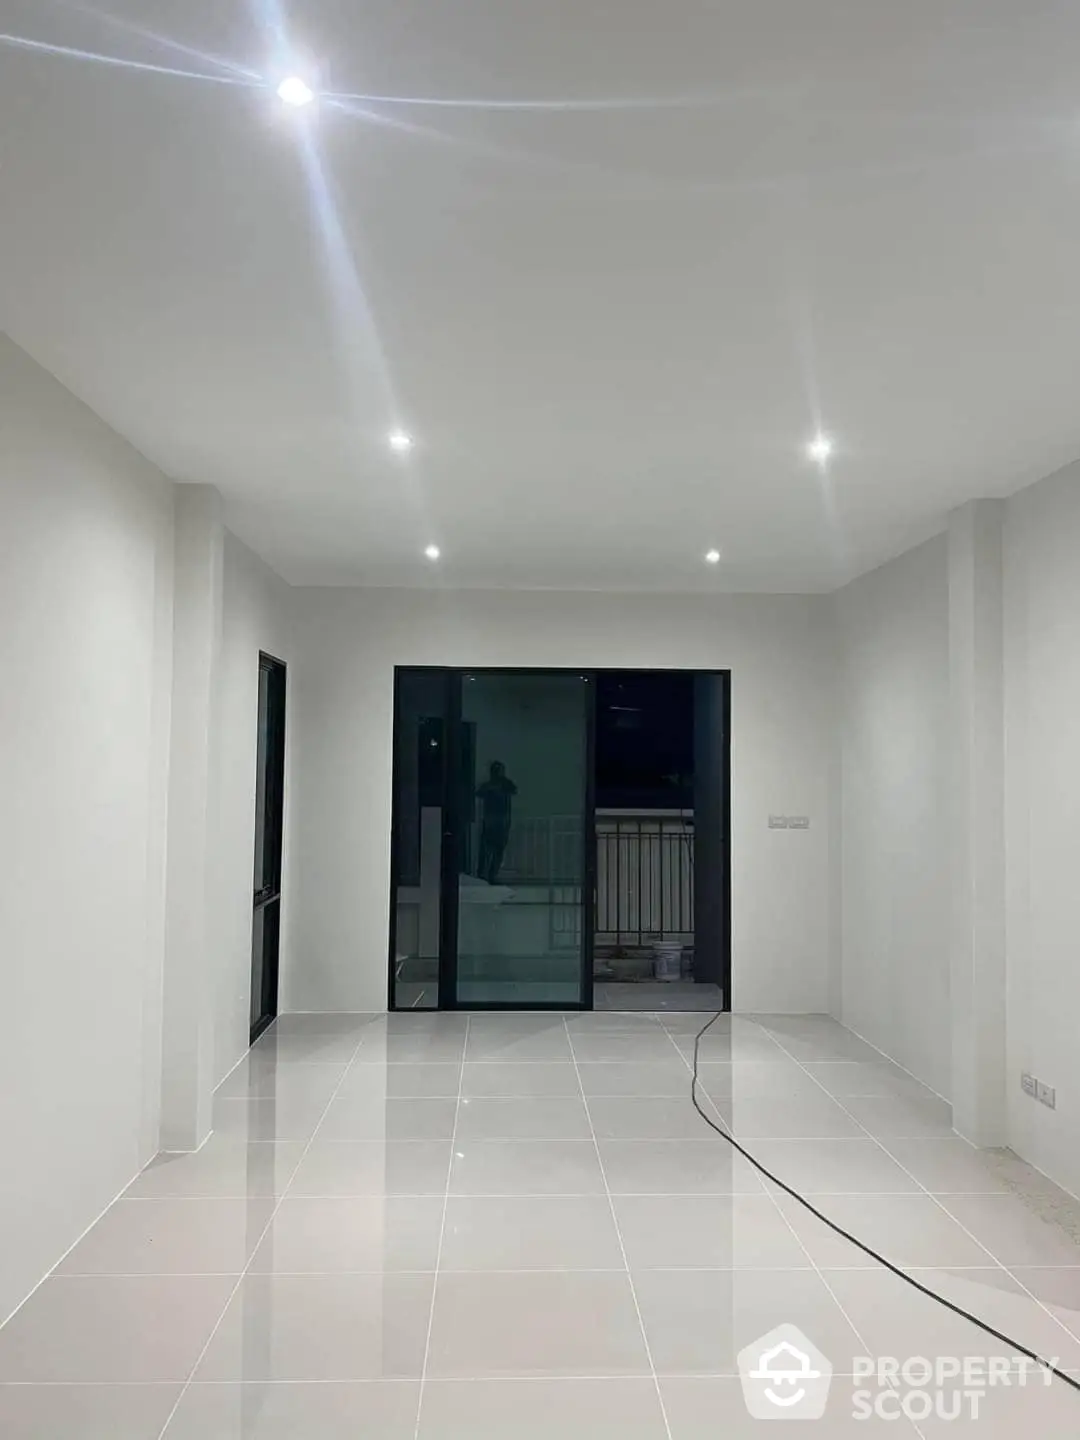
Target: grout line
410,1380
442,1231
265,1231
586,1194
814,1266
923,1190
510,1270
622,1246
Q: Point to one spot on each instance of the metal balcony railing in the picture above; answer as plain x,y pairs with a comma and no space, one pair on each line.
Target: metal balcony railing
644,874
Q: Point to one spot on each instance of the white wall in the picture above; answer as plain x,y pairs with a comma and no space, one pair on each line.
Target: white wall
255,616
87,611
1042,773
85,560
898,888
346,644
893,636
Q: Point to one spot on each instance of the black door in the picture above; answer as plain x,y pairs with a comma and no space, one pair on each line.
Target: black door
269,817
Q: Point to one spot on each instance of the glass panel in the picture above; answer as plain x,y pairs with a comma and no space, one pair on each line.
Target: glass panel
269,802
258,931
522,853
419,792
262,750
264,962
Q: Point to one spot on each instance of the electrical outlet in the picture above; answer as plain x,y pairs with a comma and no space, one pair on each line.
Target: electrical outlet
1029,1085
1046,1094
798,822
778,822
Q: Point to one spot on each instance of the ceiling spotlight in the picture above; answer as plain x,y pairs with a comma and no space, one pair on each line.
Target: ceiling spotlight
399,441
433,552
712,557
820,448
294,92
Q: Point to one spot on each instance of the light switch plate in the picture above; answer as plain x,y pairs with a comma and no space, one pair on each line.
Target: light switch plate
798,822
778,822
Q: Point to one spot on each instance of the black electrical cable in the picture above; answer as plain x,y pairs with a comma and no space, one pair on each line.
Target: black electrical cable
839,1229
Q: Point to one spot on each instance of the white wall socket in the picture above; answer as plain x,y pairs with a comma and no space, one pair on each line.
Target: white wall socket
1045,1094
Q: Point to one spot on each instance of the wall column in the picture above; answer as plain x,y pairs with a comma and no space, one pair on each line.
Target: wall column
188,1011
977,821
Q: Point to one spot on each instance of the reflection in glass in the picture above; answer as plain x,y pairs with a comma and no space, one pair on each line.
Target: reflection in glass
521,855
419,795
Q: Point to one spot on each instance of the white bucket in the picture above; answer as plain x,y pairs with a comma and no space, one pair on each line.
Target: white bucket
667,960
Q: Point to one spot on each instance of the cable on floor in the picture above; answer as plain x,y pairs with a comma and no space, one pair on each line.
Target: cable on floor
839,1229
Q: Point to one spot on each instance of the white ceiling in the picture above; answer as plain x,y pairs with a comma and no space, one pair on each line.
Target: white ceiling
611,327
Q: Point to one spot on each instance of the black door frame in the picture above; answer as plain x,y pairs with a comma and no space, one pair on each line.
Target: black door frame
448,938
268,896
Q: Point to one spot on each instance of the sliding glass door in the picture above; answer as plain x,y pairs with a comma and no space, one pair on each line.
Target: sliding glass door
491,869
521,883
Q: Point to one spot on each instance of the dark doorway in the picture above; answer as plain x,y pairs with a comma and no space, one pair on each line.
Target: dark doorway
560,840
662,830
269,821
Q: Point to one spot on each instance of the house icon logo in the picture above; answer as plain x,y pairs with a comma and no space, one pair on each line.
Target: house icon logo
785,1376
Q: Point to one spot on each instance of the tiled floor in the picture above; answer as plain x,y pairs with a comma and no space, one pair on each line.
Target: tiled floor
656,995
515,1227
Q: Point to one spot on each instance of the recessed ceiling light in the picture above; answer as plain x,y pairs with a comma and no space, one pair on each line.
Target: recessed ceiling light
712,557
294,91
398,440
820,448
433,552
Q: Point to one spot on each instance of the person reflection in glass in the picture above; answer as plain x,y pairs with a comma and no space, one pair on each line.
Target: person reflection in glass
495,796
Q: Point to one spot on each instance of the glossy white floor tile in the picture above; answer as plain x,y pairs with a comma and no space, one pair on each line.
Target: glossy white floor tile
388,1117
172,1236
894,1319
908,1229
707,1408
112,1328
535,1117
253,1410
525,1167
291,1115
541,1409
703,1232
372,1167
224,1167
322,1327
697,1321
513,1227
530,1232
86,1412
369,1233
545,1322
518,1079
